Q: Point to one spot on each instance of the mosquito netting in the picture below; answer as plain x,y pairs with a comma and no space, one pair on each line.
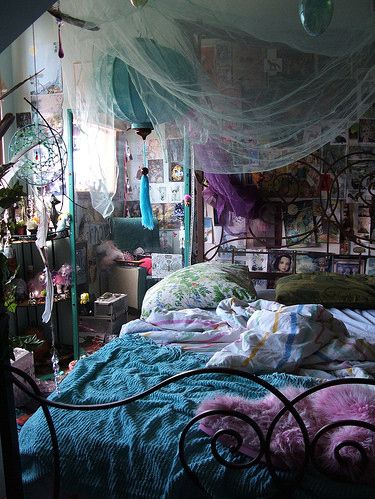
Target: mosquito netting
254,84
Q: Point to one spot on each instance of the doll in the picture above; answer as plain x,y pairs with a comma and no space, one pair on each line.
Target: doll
62,279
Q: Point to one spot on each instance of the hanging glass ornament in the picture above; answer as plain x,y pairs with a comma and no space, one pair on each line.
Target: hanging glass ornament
138,3
43,154
315,15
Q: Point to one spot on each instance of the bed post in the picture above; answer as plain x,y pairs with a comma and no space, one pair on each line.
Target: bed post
8,428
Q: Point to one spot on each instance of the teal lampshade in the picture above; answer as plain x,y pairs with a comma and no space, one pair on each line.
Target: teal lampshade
140,98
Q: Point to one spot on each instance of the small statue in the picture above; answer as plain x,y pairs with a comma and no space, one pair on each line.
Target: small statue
54,213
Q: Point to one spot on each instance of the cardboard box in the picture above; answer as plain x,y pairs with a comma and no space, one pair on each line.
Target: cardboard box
24,360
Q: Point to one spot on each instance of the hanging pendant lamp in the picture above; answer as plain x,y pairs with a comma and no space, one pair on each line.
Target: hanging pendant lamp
315,15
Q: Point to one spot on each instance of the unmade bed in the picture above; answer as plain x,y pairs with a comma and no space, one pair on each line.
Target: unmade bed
133,450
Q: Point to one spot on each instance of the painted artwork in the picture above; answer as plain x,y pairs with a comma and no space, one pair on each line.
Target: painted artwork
155,170
313,262
299,224
280,261
164,264
176,172
174,193
154,150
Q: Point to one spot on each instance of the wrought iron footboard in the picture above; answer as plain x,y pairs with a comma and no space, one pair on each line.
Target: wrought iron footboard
310,456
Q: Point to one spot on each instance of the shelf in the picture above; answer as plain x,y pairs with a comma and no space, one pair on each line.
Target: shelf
56,299
27,239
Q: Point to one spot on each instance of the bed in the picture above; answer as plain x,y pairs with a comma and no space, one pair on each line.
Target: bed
156,439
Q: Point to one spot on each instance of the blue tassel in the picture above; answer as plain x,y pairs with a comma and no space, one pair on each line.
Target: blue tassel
144,201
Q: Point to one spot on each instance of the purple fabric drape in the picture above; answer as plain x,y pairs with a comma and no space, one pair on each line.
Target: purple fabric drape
227,196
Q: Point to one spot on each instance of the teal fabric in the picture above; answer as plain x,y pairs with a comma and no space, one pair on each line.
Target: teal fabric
129,234
131,452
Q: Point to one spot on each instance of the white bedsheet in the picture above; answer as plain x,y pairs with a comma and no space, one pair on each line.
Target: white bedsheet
265,336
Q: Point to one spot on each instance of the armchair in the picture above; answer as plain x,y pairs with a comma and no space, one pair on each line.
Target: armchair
128,234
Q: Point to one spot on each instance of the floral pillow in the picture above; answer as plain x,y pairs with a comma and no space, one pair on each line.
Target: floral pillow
202,285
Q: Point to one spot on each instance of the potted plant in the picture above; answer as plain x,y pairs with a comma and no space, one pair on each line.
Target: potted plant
20,228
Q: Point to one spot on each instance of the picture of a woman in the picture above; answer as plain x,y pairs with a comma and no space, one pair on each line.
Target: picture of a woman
282,263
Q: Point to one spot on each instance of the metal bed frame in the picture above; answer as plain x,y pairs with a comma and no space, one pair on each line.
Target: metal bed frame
9,438
11,455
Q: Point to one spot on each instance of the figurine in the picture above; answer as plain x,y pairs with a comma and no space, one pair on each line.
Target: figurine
62,279
62,222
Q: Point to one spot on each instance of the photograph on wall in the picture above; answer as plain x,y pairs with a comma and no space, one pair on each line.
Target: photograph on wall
164,264
155,170
175,150
346,267
370,266
280,261
313,262
158,193
176,172
257,261
366,132
299,224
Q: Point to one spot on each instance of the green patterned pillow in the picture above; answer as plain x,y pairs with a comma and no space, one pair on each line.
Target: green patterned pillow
328,289
202,285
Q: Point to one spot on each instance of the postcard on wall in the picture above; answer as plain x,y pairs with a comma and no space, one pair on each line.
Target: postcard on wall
154,150
370,266
158,193
280,261
257,261
347,267
164,264
174,193
155,170
313,262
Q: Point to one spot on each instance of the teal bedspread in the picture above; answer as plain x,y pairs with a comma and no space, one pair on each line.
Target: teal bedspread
131,452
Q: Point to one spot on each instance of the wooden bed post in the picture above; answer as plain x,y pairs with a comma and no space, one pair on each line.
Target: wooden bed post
8,428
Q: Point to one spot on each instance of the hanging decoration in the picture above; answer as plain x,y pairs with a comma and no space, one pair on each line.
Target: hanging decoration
46,155
138,3
315,15
144,194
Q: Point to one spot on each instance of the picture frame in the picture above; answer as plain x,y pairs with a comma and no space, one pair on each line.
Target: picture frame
347,266
313,262
370,265
281,261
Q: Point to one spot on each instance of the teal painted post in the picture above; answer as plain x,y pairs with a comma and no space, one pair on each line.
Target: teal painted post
72,237
187,209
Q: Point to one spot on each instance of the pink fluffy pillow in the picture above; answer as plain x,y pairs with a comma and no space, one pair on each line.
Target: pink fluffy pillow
319,409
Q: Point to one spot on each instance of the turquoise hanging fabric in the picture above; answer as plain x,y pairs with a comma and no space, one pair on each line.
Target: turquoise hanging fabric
144,196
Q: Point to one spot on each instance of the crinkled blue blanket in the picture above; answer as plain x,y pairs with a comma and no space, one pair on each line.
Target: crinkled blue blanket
131,452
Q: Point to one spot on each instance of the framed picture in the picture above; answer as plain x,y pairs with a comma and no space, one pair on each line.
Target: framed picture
313,262
370,266
257,262
81,263
347,267
280,261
